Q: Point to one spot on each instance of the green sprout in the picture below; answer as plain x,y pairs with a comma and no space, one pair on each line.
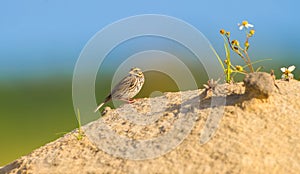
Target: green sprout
80,132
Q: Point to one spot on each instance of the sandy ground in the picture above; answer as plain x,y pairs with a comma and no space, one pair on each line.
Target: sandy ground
254,136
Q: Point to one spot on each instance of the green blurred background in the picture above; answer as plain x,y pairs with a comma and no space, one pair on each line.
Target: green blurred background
41,41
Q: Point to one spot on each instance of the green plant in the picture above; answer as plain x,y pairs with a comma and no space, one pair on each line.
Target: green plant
234,45
80,132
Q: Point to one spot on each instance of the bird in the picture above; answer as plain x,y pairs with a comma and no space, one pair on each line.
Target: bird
127,88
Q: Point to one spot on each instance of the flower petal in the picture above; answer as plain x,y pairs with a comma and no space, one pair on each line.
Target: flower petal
291,68
283,76
241,27
291,76
283,69
249,25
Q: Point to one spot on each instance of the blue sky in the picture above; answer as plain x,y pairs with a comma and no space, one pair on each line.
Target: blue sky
46,36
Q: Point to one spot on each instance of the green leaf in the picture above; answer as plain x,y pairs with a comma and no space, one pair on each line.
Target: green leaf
78,118
227,50
219,59
255,62
80,133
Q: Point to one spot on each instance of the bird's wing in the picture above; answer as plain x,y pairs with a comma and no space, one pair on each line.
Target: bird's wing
124,85
119,91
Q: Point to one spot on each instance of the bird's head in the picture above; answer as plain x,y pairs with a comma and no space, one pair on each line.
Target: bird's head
136,72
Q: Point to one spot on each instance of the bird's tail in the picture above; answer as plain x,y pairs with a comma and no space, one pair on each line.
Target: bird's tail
108,98
99,106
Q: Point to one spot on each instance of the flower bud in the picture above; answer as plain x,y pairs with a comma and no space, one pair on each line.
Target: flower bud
222,31
226,61
246,44
239,68
235,42
252,32
227,34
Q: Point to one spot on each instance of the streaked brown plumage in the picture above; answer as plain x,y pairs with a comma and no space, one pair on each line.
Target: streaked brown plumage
127,88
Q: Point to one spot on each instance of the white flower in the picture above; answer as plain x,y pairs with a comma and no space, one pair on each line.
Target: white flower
245,24
287,72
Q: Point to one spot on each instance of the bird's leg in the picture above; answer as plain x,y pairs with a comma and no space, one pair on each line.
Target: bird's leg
131,100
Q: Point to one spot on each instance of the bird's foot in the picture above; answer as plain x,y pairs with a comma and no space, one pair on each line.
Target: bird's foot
131,101
128,100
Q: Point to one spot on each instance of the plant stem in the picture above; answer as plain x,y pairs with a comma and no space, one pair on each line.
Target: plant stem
249,61
228,73
80,133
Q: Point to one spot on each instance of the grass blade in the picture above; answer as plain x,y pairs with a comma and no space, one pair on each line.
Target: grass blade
219,59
